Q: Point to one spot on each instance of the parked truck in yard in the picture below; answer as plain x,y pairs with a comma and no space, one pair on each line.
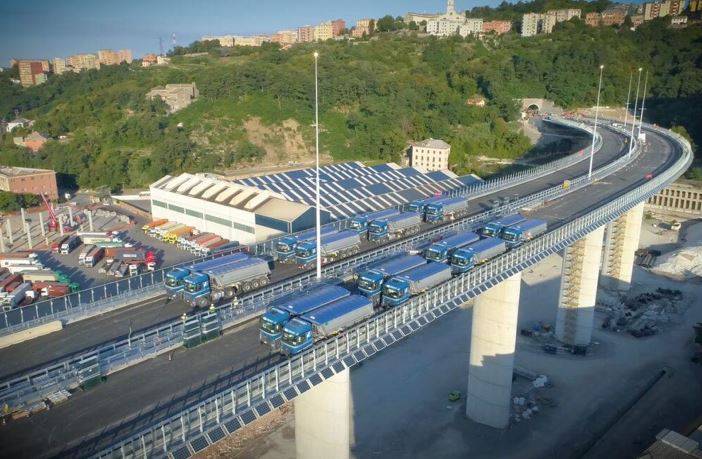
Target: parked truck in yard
206,287
360,223
396,226
400,289
445,209
294,305
286,245
93,237
84,252
474,254
522,232
153,224
172,236
370,281
175,278
332,246
93,257
442,250
495,227
56,245
419,205
39,275
14,298
71,243
302,332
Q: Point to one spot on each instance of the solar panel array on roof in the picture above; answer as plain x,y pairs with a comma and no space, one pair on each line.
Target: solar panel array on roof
351,188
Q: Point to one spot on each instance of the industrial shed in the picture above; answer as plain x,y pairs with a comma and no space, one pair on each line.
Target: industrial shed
351,188
234,211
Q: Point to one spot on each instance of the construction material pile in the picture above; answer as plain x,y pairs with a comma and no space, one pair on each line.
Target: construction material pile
681,264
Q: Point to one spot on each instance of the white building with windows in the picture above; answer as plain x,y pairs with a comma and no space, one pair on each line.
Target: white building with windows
430,154
452,23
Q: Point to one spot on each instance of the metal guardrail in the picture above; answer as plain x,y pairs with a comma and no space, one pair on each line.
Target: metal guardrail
114,356
112,295
198,426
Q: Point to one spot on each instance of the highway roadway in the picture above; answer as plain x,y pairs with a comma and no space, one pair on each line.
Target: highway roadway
83,336
160,387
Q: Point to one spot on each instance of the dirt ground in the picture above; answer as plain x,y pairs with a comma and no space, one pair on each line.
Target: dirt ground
599,404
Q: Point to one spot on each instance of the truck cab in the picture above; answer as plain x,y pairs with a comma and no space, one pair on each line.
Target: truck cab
377,230
175,281
197,289
438,252
417,206
272,323
462,261
285,248
396,291
305,252
359,224
297,337
434,212
370,283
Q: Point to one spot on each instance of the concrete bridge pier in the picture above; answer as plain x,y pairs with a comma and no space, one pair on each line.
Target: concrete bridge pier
578,293
620,248
492,346
323,419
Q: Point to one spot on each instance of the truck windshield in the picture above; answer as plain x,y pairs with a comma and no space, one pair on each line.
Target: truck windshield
434,254
367,284
269,326
414,206
489,231
356,224
193,287
509,235
391,292
432,210
375,228
304,253
292,339
460,260
283,247
173,282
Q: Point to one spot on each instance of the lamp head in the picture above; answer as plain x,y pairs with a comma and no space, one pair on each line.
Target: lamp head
316,55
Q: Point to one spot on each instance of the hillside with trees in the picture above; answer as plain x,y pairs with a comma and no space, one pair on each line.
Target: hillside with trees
256,104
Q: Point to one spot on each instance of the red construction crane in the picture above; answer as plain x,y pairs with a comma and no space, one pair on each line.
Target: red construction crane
53,221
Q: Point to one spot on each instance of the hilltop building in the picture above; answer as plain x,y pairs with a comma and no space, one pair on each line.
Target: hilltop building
32,73
430,154
28,180
176,96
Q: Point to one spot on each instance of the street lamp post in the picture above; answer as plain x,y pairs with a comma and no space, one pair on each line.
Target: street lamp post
643,101
594,130
628,96
636,105
316,135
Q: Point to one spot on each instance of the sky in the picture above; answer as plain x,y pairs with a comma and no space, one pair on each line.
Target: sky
33,29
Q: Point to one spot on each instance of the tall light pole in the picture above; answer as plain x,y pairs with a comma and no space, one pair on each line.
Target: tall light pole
636,102
594,130
643,101
316,137
628,95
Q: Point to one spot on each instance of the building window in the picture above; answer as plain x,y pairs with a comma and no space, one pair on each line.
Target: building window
158,204
192,213
175,208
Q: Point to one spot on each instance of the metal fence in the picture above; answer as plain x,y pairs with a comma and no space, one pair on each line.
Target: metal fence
113,295
110,357
198,426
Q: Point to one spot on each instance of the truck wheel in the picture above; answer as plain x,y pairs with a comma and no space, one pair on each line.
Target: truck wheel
229,292
245,287
254,284
264,281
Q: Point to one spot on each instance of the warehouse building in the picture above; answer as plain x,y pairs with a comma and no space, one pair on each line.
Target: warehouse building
236,212
258,208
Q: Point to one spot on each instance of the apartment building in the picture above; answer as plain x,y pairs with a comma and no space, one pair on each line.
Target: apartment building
530,24
148,60
323,31
28,180
59,65
305,34
470,27
338,26
536,23
614,16
256,40
176,96
81,62
284,37
223,40
653,10
593,19
695,6
430,154
499,27
110,57
564,14
32,73
362,27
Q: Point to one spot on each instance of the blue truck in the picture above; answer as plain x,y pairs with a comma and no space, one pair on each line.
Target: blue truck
302,332
174,281
370,281
396,226
495,227
225,281
294,305
286,245
400,289
445,209
419,205
332,246
520,233
479,252
442,250
360,223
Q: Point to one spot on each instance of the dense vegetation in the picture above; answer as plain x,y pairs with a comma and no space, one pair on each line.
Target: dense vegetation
375,96
10,202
